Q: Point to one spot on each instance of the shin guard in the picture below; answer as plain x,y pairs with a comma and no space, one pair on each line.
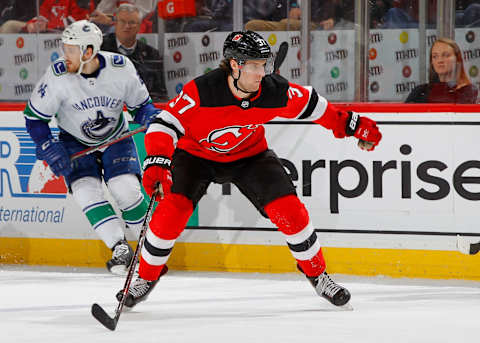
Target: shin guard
291,217
166,225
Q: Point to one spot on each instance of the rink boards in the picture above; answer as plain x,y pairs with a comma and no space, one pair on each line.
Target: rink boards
395,211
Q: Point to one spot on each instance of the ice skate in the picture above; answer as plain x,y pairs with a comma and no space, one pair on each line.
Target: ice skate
139,290
121,257
327,288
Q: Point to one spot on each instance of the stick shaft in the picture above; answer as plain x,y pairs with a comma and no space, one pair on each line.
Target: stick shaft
131,268
106,144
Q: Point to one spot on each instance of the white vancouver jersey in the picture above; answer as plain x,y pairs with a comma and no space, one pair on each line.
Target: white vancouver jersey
90,109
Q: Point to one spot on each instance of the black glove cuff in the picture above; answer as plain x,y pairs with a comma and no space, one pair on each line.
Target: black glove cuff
159,161
352,123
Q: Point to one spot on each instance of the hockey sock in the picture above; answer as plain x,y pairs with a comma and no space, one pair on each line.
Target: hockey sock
88,193
167,224
135,214
126,191
291,217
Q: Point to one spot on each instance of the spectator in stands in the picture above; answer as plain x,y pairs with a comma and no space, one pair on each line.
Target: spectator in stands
105,11
274,16
343,14
54,16
325,15
448,82
467,13
270,12
378,9
13,14
405,13
216,15
212,15
402,14
146,58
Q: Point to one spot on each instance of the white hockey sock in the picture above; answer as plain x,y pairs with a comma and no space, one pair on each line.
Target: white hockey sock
126,191
88,193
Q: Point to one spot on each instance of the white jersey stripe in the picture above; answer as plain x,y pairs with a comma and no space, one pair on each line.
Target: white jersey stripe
319,110
38,113
153,260
171,119
307,254
158,242
301,236
309,89
154,127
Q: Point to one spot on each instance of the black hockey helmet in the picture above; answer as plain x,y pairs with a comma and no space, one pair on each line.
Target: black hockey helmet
246,45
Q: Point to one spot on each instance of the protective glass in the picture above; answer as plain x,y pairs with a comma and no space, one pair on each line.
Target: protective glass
70,50
258,67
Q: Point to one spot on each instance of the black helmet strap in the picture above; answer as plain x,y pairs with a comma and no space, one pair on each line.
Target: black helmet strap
235,82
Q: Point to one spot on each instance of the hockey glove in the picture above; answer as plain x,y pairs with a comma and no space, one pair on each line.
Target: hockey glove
156,169
146,114
363,128
56,156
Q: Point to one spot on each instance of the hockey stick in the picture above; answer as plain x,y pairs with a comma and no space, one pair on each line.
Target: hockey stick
467,248
281,54
106,144
97,311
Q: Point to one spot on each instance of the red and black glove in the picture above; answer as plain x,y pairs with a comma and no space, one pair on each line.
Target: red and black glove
156,171
363,128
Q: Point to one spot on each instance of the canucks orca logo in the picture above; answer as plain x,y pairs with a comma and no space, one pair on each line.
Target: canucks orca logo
21,174
99,128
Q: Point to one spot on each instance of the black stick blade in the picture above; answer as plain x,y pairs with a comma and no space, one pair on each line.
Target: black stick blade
281,54
99,313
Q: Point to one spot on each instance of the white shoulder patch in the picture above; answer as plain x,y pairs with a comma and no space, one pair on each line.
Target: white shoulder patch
59,68
118,60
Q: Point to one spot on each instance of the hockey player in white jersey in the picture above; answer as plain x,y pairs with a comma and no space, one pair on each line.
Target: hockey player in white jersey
85,91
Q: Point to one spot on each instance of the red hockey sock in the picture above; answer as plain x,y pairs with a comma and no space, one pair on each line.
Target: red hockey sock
288,214
148,272
171,216
166,225
313,267
291,217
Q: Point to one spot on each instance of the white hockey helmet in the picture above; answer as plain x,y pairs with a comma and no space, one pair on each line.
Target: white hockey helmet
83,33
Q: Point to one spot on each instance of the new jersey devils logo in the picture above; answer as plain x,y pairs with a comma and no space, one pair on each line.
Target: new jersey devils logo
228,138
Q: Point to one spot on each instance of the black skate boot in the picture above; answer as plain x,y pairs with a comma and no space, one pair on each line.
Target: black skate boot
121,257
474,248
465,247
328,289
139,290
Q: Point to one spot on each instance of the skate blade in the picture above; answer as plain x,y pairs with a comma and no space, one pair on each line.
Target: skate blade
127,309
119,270
346,307
463,245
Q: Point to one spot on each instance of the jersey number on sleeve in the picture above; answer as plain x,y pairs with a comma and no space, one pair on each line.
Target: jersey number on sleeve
292,91
189,102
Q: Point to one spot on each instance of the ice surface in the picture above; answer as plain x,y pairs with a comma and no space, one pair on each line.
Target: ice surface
53,305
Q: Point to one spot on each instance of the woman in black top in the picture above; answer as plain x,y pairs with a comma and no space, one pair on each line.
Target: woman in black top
448,81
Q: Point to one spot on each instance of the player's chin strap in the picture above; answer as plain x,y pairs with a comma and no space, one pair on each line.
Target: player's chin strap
82,63
235,82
